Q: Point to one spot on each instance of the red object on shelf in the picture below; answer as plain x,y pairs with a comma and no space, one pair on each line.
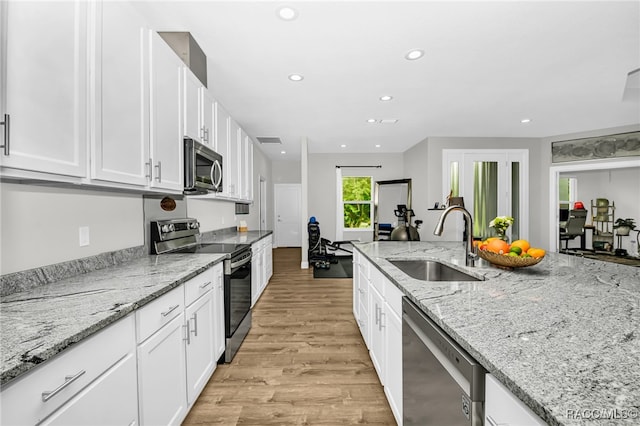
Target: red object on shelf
578,205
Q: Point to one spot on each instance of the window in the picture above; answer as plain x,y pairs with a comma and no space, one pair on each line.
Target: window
356,202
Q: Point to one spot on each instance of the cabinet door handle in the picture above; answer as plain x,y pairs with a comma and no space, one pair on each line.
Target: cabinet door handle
149,168
159,174
188,333
381,325
205,285
67,381
7,133
195,324
168,311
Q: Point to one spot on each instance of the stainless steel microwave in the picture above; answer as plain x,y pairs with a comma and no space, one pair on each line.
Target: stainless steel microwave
202,168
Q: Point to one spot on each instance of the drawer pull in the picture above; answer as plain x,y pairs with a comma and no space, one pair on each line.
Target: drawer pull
67,381
205,285
492,422
168,311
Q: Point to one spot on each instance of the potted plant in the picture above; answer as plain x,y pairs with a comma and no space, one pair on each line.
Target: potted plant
624,226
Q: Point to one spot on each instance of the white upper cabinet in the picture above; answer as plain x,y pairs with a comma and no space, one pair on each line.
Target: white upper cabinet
192,88
232,168
166,118
198,110
44,86
206,123
120,134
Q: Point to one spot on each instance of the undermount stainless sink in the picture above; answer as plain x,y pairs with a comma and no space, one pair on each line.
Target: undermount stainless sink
430,270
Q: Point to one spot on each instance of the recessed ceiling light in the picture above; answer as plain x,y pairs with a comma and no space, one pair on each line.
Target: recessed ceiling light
296,77
287,13
371,120
283,152
343,146
525,120
377,145
386,98
414,54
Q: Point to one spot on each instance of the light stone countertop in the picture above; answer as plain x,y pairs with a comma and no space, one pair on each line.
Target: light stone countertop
561,335
41,319
39,323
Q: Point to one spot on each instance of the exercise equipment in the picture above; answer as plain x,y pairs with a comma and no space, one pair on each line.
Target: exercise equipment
322,251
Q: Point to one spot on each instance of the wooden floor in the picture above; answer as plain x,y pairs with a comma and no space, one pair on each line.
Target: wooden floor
303,362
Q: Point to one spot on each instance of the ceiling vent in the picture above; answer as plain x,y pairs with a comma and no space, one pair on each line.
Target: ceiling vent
388,121
269,140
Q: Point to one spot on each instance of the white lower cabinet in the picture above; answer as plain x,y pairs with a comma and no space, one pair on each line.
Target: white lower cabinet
162,397
147,368
200,340
261,267
502,408
94,382
378,311
110,400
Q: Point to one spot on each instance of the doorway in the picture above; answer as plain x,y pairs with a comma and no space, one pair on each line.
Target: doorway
492,183
287,203
262,201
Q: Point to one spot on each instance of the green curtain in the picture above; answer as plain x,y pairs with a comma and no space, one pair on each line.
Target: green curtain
485,191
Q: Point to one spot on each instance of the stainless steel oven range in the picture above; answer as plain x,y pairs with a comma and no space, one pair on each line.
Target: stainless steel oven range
180,236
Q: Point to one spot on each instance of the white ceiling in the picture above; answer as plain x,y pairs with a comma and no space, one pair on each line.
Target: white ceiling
487,65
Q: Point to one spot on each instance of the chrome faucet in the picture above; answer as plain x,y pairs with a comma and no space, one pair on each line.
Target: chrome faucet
470,252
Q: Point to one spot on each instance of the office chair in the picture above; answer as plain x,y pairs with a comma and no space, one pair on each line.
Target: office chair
574,227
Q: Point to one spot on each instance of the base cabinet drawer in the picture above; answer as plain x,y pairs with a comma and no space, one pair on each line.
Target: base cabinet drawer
73,375
110,400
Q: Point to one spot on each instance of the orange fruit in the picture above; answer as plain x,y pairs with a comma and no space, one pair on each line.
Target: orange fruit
536,252
498,246
523,244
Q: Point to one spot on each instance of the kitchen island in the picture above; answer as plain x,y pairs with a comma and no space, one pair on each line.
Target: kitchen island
563,336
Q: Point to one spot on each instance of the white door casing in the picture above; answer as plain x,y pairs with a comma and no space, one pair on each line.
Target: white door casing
287,206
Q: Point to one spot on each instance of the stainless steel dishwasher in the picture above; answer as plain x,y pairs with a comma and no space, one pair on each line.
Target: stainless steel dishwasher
442,384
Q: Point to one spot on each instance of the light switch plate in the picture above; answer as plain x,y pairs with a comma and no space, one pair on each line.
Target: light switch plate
83,233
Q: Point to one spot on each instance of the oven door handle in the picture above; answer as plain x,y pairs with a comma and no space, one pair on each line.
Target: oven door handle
241,262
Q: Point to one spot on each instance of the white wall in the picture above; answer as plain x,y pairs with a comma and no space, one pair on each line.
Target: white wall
322,185
40,224
286,172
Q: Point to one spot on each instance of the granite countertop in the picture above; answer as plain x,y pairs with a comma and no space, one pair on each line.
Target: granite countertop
233,237
41,319
563,336
39,323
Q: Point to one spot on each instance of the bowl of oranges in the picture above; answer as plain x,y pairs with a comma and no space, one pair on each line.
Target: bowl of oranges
518,254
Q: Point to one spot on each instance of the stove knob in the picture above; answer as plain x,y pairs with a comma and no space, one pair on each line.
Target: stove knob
164,228
172,227
195,225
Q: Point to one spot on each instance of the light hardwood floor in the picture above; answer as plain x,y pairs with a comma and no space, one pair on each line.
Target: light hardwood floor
303,362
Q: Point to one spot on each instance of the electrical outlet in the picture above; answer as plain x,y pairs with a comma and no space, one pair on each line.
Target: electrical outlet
83,233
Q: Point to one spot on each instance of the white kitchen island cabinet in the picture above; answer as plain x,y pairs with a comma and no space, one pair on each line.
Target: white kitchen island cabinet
44,87
502,408
378,312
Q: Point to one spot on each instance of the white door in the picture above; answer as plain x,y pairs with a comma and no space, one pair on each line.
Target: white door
287,214
262,200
